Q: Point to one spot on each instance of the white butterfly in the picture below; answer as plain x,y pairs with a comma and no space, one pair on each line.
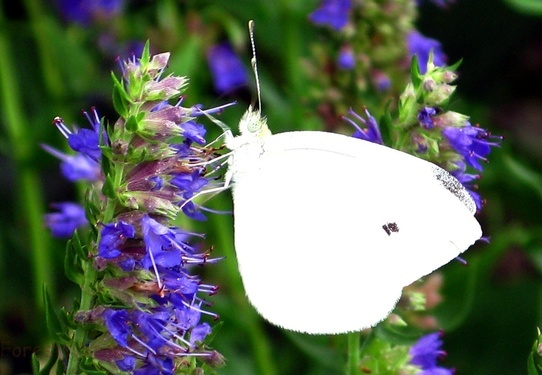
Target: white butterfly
330,228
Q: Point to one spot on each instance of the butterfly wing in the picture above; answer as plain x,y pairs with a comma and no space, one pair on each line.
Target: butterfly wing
312,214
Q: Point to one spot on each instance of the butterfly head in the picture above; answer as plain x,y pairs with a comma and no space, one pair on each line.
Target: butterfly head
252,124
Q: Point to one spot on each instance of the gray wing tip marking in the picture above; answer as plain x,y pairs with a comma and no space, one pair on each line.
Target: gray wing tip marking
455,187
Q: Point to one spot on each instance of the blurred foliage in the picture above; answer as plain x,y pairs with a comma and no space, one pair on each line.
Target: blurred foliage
50,66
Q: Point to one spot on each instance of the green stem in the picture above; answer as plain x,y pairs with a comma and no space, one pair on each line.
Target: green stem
88,294
87,303
49,67
353,354
30,195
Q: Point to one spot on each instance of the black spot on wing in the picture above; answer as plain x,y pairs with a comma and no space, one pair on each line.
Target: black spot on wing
390,228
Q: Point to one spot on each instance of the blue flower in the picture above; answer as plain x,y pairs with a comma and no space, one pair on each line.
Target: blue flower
83,11
127,363
62,224
425,353
467,180
181,283
118,325
422,46
194,132
84,141
189,184
156,366
425,117
157,335
166,247
199,332
346,59
76,167
112,238
162,248
333,13
228,71
471,142
371,132
380,80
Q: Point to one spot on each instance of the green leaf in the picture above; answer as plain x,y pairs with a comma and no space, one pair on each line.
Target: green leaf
50,362
526,6
90,367
105,160
55,327
120,97
386,125
132,124
146,54
108,188
455,66
35,365
72,259
78,247
60,369
534,361
93,212
415,75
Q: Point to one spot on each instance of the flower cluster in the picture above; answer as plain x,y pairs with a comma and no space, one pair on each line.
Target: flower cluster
369,53
142,308
425,128
366,57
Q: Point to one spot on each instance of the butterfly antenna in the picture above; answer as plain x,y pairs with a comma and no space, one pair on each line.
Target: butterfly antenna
253,62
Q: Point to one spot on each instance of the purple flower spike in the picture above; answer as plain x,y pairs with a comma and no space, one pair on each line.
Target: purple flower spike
227,70
333,13
421,46
62,224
